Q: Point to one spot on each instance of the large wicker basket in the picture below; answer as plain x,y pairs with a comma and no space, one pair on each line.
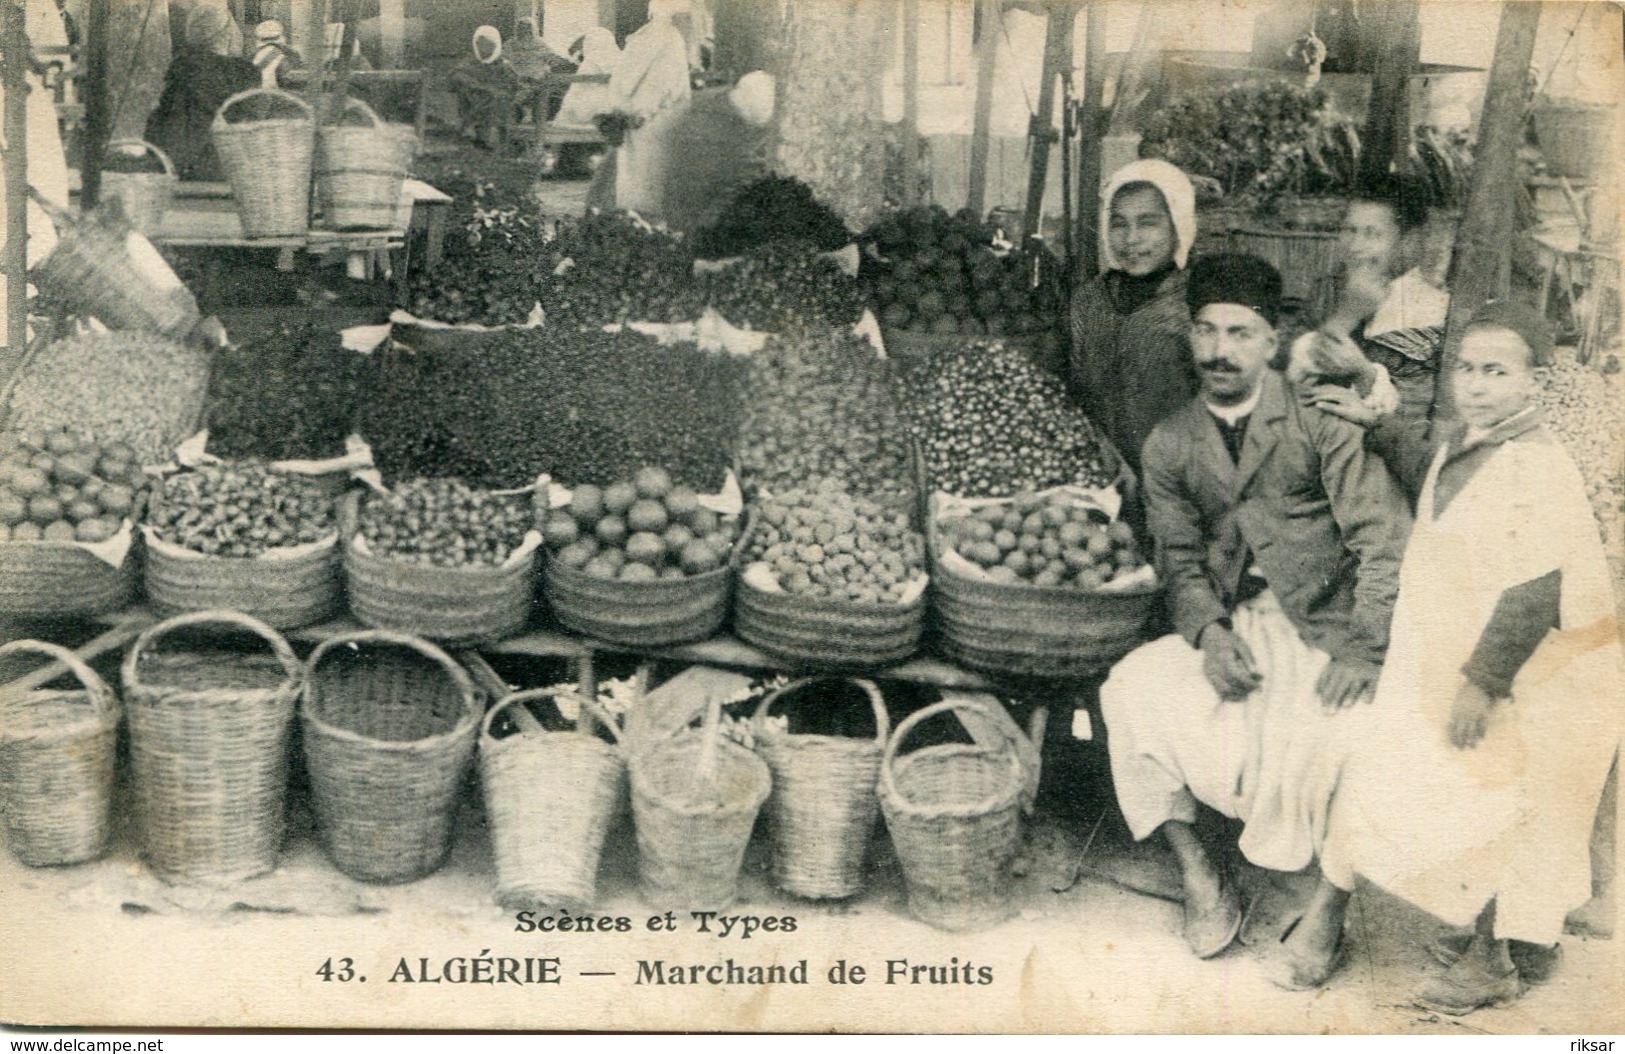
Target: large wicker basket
61,579
360,169
954,813
825,633
823,805
268,162
146,195
284,593
638,614
389,735
57,764
550,798
209,743
452,605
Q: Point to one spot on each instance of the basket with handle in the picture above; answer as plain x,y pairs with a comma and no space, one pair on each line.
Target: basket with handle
954,813
550,797
360,168
146,195
267,161
695,798
57,764
209,743
389,735
823,806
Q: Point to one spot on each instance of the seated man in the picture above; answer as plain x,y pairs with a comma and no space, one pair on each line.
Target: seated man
1279,541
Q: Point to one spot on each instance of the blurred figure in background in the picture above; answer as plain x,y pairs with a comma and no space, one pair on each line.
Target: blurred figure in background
204,73
486,86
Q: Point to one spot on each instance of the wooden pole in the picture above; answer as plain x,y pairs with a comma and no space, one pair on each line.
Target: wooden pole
16,169
1089,128
911,101
98,114
1483,263
1057,57
1397,44
982,128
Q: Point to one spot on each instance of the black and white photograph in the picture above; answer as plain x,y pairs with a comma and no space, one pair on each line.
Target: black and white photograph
811,516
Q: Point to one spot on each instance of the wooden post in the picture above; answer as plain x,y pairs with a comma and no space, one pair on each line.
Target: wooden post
1089,129
1057,56
16,168
98,115
1483,263
911,101
1396,45
982,129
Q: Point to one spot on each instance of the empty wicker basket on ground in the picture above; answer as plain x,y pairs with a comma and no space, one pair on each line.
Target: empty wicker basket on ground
452,605
361,163
550,797
638,614
265,140
146,195
954,813
389,724
285,589
824,804
209,742
694,800
57,764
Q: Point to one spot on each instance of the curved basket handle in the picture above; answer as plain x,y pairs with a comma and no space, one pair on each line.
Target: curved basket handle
908,724
236,619
352,103
101,696
220,114
549,693
459,676
151,148
872,690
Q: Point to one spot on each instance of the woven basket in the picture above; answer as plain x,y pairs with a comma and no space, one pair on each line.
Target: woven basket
360,169
284,594
694,816
823,806
57,765
954,813
209,742
97,269
267,163
1575,137
1303,257
827,634
452,605
638,614
550,798
59,579
146,195
389,735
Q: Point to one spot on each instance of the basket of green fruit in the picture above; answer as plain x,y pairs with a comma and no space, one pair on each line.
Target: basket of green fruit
243,537
66,538
831,581
641,562
440,559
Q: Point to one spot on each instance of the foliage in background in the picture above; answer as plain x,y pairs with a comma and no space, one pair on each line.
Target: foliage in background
1444,161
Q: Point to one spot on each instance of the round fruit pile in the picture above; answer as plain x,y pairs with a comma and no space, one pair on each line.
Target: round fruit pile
492,272
640,530
942,276
771,209
239,509
1581,411
826,543
288,393
60,487
618,272
1043,542
445,523
821,407
784,286
991,424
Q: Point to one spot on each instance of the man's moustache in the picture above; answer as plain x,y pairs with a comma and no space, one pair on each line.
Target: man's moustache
1219,366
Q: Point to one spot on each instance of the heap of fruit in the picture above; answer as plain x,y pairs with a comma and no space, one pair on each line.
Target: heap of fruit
820,406
771,209
941,275
825,543
640,530
784,286
991,424
493,270
1582,412
60,487
1043,541
287,394
239,509
607,268
445,523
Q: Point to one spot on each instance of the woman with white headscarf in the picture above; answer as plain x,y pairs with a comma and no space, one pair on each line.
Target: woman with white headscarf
486,85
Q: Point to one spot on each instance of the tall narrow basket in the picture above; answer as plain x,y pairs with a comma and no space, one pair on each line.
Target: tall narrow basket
360,169
954,813
550,798
389,735
146,195
209,741
823,805
56,765
268,162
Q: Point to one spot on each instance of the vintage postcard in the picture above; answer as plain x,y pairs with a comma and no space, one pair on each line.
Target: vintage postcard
1226,642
